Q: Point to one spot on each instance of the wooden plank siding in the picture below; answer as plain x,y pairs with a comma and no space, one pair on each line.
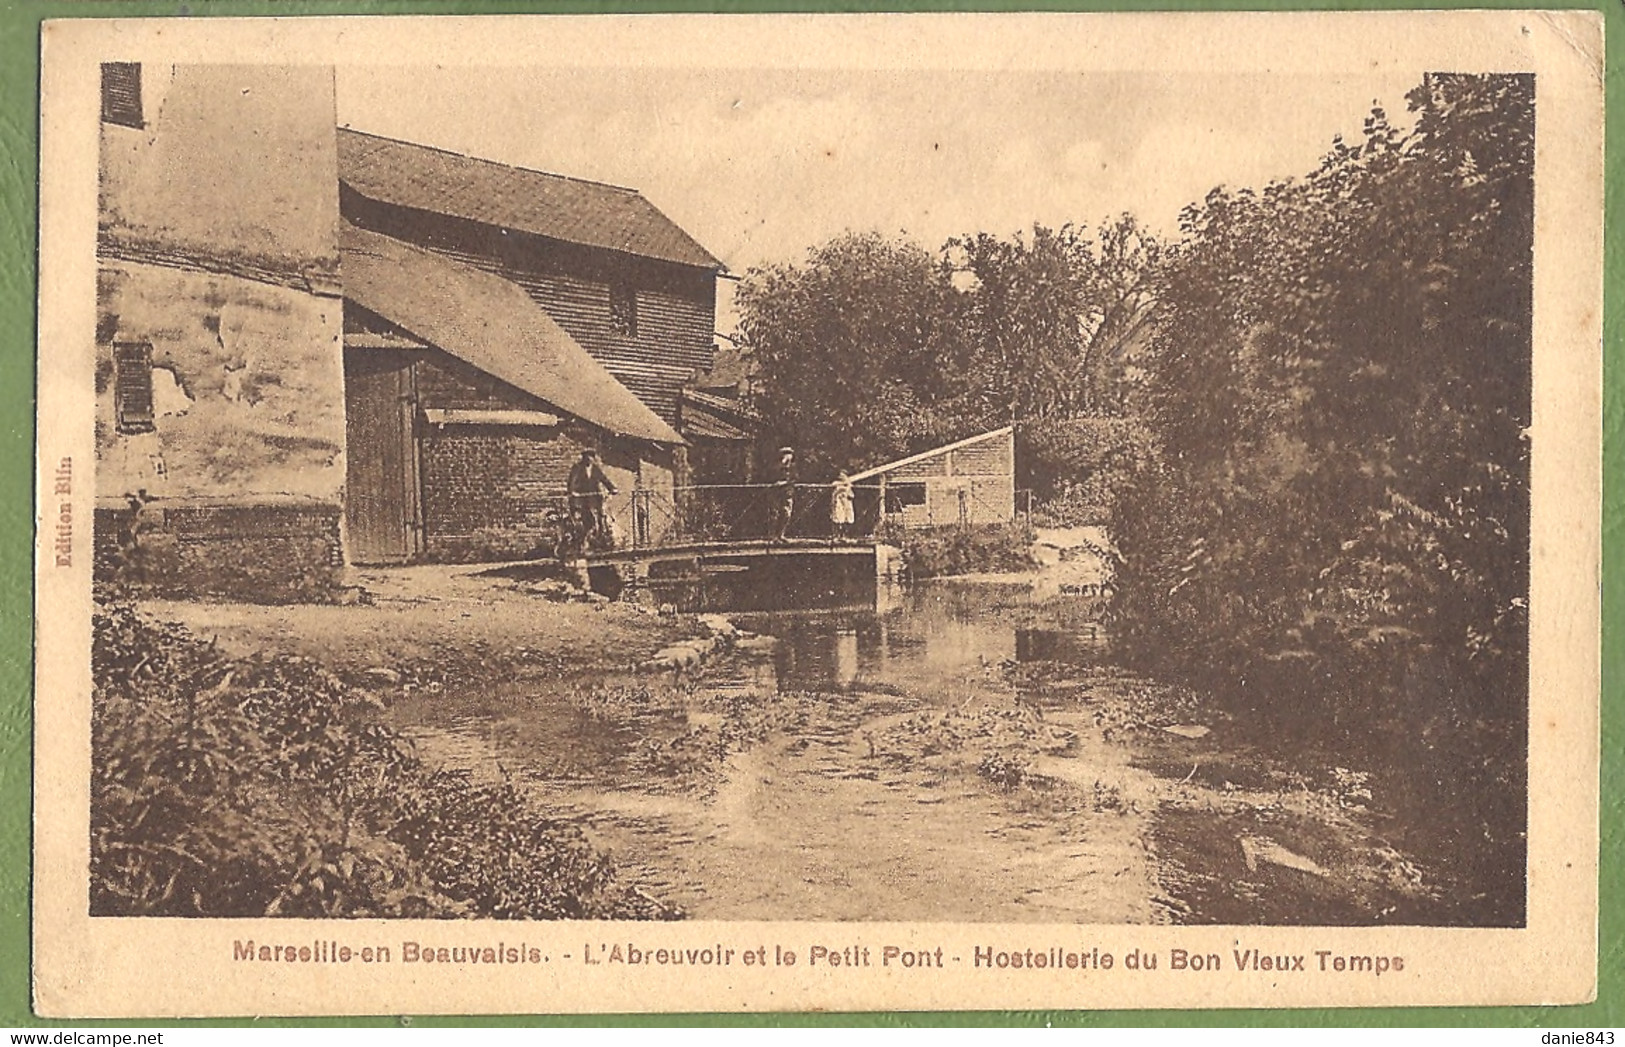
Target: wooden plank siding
655,364
972,484
381,482
676,304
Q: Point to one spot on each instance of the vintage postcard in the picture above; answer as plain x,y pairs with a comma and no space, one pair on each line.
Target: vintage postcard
660,513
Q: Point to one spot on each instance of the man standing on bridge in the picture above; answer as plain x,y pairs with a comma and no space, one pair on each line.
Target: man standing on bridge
784,494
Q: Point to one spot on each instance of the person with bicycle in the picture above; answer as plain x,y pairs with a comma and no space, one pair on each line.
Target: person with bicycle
586,485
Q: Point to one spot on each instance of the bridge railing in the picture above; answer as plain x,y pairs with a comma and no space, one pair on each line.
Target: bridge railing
648,518
732,512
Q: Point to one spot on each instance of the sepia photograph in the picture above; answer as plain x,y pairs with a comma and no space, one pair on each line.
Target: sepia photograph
987,495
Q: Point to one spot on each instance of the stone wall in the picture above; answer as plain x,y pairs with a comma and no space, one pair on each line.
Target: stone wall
248,383
260,553
218,248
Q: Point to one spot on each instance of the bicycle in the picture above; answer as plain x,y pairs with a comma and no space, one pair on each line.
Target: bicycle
574,537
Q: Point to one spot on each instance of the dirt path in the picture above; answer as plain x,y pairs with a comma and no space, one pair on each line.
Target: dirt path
458,619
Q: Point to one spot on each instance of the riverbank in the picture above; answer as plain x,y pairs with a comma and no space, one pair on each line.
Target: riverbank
730,794
438,626
263,784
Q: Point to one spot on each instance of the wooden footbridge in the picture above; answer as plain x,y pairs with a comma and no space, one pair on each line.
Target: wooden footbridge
883,560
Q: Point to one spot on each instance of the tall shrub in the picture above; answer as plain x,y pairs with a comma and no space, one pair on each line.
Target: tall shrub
1340,385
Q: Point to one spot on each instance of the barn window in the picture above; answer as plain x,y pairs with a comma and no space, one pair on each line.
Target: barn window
121,94
623,309
900,496
132,386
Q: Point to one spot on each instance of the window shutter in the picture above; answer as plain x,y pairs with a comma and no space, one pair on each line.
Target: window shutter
132,386
121,94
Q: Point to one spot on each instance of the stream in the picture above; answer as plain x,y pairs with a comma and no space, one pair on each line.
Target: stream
945,752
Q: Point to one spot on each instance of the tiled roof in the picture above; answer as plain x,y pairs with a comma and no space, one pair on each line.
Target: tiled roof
568,209
491,323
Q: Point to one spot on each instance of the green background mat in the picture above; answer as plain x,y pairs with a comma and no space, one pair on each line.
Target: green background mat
19,172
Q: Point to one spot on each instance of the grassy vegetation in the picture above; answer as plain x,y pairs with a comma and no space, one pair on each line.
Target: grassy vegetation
956,550
265,787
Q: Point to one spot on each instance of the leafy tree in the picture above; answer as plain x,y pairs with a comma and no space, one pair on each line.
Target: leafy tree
1336,529
856,348
873,348
1054,313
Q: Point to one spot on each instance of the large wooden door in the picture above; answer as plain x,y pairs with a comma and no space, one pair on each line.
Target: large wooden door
381,472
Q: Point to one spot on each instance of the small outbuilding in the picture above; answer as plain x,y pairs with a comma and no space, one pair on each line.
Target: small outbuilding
969,482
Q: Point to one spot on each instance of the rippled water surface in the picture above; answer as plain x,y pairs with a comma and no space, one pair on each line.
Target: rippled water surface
940,752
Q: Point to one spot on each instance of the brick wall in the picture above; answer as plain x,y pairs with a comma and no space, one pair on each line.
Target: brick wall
984,472
937,465
488,490
492,492
994,456
993,499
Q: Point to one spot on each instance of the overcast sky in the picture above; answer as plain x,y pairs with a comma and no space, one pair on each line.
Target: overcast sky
759,165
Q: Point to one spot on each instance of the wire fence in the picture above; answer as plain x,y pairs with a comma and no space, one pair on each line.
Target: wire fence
656,517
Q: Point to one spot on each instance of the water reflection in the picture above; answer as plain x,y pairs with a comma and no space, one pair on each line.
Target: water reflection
783,583
912,637
846,657
1055,645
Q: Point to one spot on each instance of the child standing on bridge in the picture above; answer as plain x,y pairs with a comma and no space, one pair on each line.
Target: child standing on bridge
840,505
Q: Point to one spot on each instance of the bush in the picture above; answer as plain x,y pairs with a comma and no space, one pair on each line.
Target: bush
1086,504
1341,395
1075,466
1335,530
941,551
1006,772
264,787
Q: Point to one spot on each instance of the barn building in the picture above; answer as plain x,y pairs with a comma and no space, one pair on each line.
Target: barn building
516,316
965,483
316,346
